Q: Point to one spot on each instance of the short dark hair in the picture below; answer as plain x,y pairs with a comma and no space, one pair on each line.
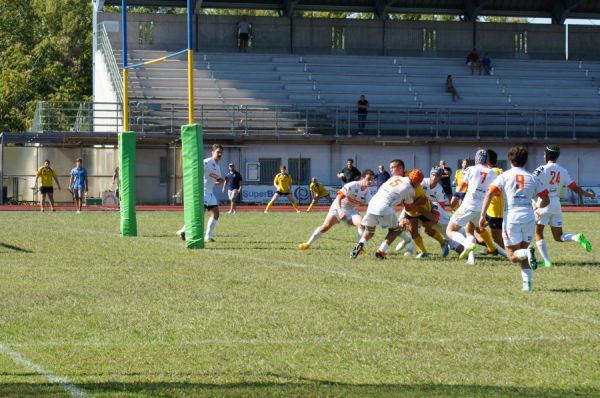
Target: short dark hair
399,162
492,157
552,152
217,146
79,160
518,156
350,160
367,172
46,161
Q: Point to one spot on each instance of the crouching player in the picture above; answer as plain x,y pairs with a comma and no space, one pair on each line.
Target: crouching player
343,208
519,187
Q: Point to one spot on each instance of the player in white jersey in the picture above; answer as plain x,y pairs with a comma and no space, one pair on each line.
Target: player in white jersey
555,177
381,210
477,178
212,177
519,187
344,207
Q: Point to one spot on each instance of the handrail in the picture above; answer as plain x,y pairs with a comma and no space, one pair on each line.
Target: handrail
111,63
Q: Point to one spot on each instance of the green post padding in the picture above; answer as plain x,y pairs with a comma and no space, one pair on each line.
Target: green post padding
127,185
193,185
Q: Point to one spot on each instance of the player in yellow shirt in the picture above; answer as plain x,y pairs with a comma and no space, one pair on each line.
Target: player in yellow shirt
46,174
283,186
495,213
318,191
460,189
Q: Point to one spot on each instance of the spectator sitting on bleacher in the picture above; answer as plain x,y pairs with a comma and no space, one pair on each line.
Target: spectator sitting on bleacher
451,89
473,61
486,65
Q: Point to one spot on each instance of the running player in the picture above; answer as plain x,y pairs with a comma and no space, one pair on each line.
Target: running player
212,177
344,206
381,210
477,178
283,185
318,191
520,187
495,212
555,177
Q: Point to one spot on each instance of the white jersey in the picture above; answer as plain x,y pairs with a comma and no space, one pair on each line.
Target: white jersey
396,190
478,179
519,187
353,195
212,171
435,194
554,178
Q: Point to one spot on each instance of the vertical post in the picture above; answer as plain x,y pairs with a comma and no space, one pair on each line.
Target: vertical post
190,54
125,72
1,168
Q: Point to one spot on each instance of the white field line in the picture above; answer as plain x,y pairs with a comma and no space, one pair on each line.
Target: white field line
313,341
69,387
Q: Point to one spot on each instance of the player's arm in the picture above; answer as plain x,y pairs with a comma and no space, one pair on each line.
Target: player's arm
37,177
241,184
55,179
489,195
71,181
578,190
85,181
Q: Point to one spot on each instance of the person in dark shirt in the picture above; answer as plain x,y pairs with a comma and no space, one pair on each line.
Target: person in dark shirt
473,61
349,173
233,182
445,179
362,111
486,65
382,176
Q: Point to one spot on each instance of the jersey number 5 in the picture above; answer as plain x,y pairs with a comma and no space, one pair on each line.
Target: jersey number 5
520,181
554,177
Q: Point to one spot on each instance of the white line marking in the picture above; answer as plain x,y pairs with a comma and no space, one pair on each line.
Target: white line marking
53,378
315,341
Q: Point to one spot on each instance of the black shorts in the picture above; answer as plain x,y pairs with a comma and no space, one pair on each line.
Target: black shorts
210,207
46,189
420,218
494,222
283,193
244,36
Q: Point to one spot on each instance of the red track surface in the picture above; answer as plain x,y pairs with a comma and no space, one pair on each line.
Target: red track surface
223,208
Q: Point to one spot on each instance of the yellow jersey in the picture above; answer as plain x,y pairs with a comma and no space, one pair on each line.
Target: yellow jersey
46,175
421,209
458,179
318,189
496,208
283,182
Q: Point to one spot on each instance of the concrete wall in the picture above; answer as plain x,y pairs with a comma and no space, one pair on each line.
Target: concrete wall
326,160
362,37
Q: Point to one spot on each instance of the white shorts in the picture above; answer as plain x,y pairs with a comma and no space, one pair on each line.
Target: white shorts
386,221
233,193
210,199
550,218
514,234
444,217
463,216
348,214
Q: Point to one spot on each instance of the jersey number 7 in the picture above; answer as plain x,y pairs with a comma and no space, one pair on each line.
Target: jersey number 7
483,176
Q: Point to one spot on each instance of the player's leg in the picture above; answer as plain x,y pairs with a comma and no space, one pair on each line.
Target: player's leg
356,220
393,226
329,222
313,202
43,200
541,244
470,234
51,199
236,195
560,236
293,202
369,222
516,240
212,222
405,236
417,238
273,199
458,221
328,197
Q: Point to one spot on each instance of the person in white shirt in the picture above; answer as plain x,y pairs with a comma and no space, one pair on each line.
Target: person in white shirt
212,177
519,187
344,207
477,178
244,32
381,211
555,178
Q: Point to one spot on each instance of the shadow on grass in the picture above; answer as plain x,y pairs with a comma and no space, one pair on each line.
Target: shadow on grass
573,290
15,248
314,388
578,264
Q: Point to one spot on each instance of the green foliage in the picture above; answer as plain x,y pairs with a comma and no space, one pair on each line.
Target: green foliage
45,54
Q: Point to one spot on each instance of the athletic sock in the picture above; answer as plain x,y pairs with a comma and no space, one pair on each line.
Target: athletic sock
521,254
500,250
210,228
295,205
471,257
543,249
362,240
420,245
567,236
268,206
384,246
487,239
405,236
526,273
315,235
438,236
459,238
360,232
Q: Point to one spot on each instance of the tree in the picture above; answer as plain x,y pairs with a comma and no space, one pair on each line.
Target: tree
45,54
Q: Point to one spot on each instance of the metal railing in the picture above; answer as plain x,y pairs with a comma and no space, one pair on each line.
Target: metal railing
111,63
412,123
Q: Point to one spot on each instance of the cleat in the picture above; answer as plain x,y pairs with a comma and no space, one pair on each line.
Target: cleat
527,287
546,264
380,255
303,246
209,240
181,235
298,211
582,240
422,255
357,250
531,258
445,249
266,212
467,250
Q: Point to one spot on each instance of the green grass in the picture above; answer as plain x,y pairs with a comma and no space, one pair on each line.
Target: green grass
253,316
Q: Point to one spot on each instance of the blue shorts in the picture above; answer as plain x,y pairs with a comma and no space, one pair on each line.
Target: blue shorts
78,193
